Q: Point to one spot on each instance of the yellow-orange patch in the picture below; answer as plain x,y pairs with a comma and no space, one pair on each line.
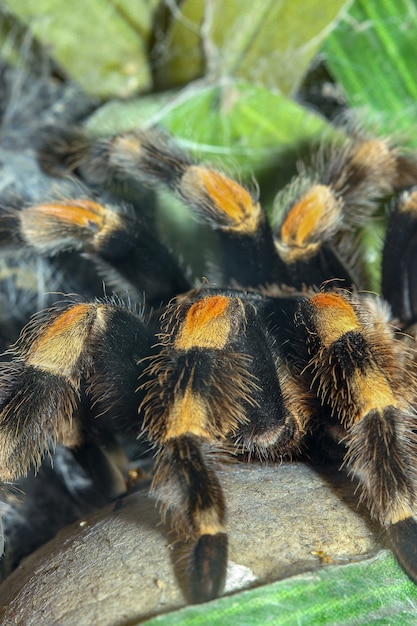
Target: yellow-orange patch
332,300
230,198
334,317
68,320
374,392
309,216
401,511
206,325
188,414
374,154
82,213
61,343
206,310
208,522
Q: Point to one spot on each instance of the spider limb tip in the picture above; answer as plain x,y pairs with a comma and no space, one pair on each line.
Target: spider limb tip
403,537
208,567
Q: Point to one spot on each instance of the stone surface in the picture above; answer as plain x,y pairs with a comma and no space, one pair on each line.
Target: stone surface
117,566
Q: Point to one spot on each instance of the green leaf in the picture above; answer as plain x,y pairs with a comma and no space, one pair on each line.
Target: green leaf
371,592
180,56
269,42
236,119
101,44
261,41
372,54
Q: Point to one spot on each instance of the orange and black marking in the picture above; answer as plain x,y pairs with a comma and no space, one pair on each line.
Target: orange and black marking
81,213
333,317
186,483
304,239
198,400
361,373
69,224
152,156
155,160
370,164
199,371
105,232
209,323
312,220
202,390
263,367
59,345
229,205
314,236
214,386
46,388
246,241
344,352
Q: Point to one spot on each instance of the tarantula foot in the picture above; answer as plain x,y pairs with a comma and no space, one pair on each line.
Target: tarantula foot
403,538
208,567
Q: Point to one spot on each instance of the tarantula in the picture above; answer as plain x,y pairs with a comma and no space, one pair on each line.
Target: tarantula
286,354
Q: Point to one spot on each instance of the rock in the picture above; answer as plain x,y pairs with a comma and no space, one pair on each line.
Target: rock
118,565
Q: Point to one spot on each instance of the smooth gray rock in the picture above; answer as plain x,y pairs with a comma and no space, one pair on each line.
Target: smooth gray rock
117,566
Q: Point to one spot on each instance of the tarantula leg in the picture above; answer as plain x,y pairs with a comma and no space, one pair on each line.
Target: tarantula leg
36,410
213,388
364,375
303,240
40,389
186,481
403,538
399,261
112,235
58,358
154,159
314,232
196,395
